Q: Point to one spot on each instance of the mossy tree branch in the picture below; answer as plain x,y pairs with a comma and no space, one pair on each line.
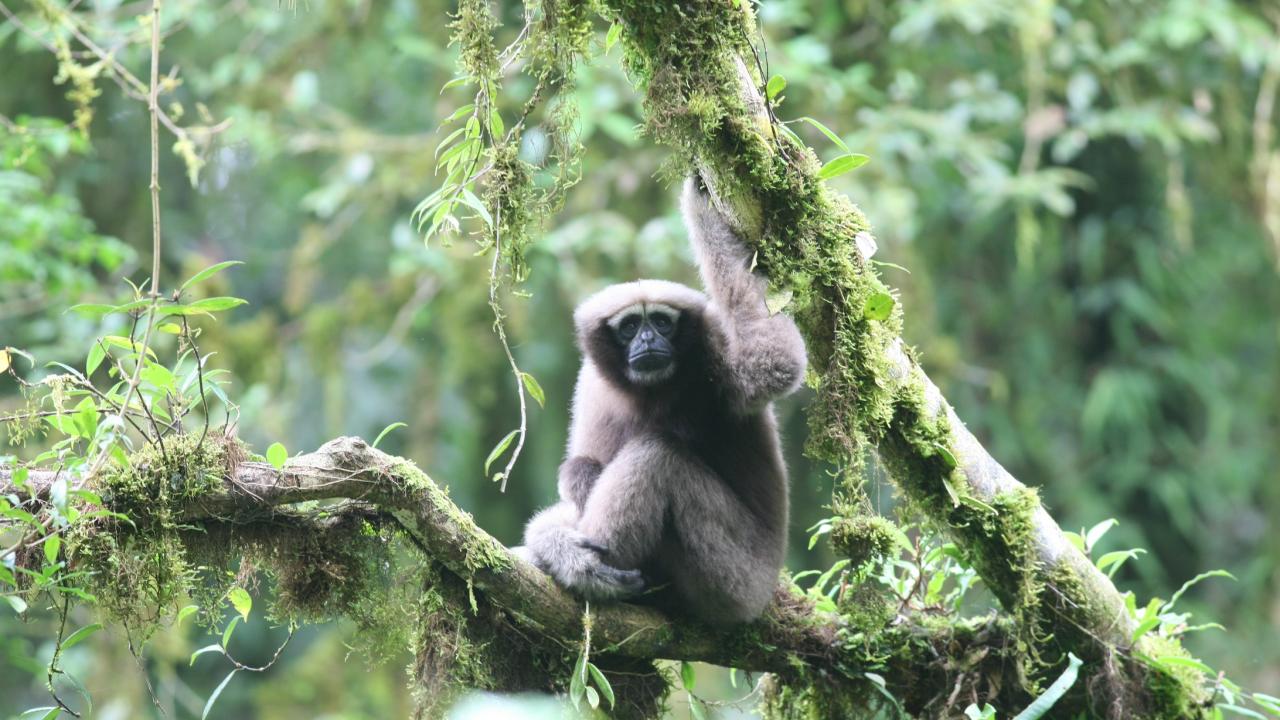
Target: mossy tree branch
917,654
703,99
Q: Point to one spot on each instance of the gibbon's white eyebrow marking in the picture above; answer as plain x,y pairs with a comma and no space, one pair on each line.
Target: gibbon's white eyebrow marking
643,309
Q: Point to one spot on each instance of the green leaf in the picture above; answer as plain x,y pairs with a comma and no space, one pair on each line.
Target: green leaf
951,492
52,545
601,682
469,199
80,635
879,307
231,626
776,84
945,453
842,165
687,675
535,390
828,132
1144,627
205,307
1096,532
50,712
217,691
697,709
277,455
241,601
1243,711
96,355
1193,581
1045,702
1185,662
207,273
386,430
500,448
578,682
184,613
496,128
593,697
158,375
455,83
1116,559
611,39
206,649
18,604
92,309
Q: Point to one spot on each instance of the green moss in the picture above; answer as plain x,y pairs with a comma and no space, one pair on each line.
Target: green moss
137,568
864,538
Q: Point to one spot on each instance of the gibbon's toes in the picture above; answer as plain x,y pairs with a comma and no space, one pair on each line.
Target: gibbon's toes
621,583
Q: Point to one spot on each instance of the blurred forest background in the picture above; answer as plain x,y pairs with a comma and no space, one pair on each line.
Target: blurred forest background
1086,194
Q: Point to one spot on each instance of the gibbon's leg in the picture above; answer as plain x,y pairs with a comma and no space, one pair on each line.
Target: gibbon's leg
627,508
554,545
763,355
727,567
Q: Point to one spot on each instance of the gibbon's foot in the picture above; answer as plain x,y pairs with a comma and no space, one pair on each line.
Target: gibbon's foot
577,563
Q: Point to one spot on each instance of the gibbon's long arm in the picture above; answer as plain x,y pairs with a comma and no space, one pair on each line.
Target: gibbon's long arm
762,355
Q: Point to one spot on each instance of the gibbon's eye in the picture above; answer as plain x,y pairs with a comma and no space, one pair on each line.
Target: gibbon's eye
629,326
661,322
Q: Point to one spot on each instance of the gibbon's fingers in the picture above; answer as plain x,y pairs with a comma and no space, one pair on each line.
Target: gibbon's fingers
599,549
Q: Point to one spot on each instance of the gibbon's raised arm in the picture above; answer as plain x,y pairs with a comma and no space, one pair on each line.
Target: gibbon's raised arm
762,355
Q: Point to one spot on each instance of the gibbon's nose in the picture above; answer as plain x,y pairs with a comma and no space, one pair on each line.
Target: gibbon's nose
646,334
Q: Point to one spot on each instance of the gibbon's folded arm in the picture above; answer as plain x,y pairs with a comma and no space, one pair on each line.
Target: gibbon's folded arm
763,355
674,472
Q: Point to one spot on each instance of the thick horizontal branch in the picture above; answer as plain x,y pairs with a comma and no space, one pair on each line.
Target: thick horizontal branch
789,637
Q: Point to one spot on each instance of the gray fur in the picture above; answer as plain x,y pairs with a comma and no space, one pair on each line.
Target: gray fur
699,502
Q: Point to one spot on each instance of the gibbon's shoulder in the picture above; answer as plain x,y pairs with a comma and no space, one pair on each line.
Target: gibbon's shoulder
609,301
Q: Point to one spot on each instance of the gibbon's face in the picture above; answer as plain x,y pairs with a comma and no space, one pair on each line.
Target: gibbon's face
646,333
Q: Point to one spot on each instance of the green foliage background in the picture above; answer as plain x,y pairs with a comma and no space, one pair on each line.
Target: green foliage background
1078,189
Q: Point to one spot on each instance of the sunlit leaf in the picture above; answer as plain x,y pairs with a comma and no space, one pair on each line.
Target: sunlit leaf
500,448
204,650
277,455
687,675
828,132
879,306
387,430
52,545
535,390
96,355
776,85
80,635
231,627
207,273
1194,581
842,165
611,39
1045,702
601,682
241,601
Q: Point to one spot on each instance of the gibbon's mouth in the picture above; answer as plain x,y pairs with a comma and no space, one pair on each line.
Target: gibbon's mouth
650,362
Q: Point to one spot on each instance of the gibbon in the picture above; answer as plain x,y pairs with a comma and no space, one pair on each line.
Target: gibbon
673,474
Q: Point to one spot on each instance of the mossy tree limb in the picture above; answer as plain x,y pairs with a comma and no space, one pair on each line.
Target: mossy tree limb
480,584
703,99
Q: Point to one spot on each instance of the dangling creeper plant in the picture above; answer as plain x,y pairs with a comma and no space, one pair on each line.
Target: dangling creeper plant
494,180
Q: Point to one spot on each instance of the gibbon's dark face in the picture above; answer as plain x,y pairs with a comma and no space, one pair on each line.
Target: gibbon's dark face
646,334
